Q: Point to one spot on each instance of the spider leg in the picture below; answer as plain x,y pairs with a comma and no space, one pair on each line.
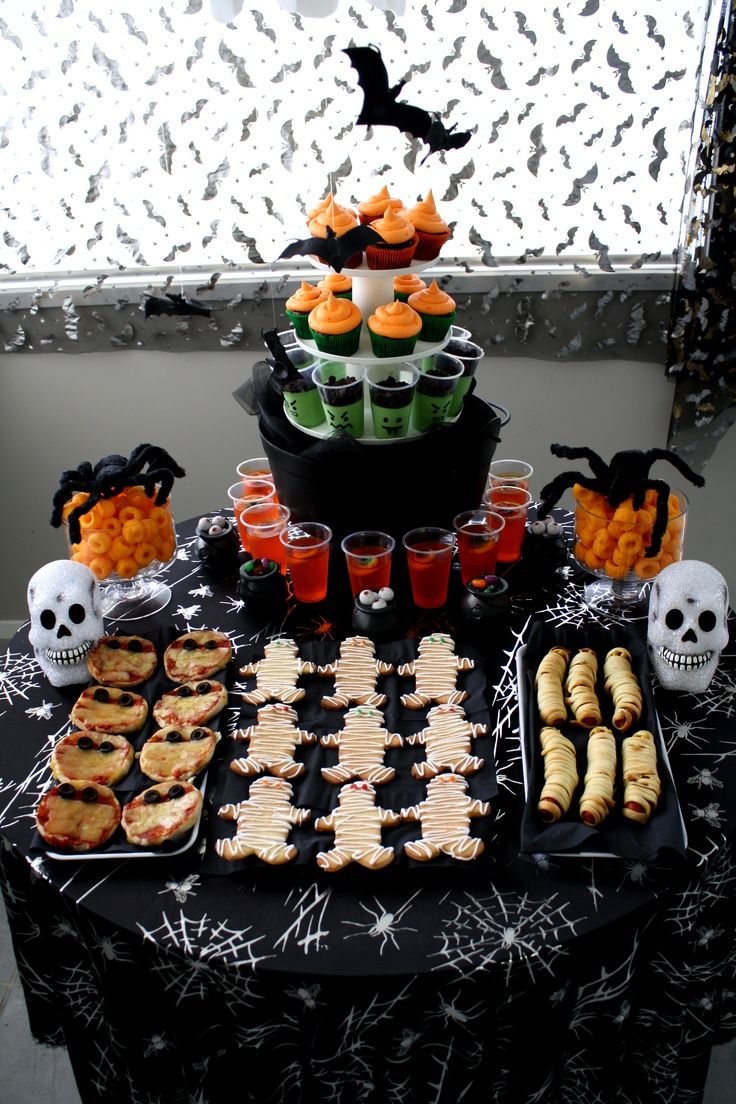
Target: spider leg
568,452
557,487
661,516
677,462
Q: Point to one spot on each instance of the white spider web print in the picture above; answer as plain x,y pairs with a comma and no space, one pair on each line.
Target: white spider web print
504,699
19,673
494,928
207,939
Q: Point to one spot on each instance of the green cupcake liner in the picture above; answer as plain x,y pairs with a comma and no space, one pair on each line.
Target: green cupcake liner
344,344
392,346
435,326
300,321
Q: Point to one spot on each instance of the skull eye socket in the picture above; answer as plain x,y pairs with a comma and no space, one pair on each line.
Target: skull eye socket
707,620
674,619
48,619
77,613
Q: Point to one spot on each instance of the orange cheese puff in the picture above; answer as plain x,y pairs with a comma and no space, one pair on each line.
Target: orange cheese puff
161,517
134,532
137,497
630,542
126,567
150,529
98,542
616,571
647,568
603,544
120,549
144,554
625,559
130,513
665,560
673,506
110,525
580,550
102,566
591,560
105,508
87,521
165,549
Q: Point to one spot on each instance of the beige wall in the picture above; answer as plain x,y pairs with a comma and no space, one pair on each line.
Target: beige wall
56,411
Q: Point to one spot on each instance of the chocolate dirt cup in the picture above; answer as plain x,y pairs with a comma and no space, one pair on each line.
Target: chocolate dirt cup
302,400
434,391
341,390
391,392
470,354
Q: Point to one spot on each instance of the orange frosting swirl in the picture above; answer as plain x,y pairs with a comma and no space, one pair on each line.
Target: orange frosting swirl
334,316
305,298
341,219
377,204
336,282
424,216
433,300
395,319
320,207
393,228
408,282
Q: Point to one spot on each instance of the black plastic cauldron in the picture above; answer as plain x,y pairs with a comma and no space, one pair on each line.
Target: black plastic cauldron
394,486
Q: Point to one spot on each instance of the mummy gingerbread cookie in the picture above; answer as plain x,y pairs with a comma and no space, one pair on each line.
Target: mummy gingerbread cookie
356,673
445,818
357,823
277,673
435,669
362,743
263,823
272,741
447,741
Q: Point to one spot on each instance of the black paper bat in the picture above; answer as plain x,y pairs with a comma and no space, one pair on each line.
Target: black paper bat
175,304
380,106
283,369
335,251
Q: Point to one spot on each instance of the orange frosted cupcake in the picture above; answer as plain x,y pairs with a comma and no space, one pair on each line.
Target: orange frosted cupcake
340,219
394,329
398,245
298,306
432,230
405,284
436,309
377,205
323,205
340,285
335,326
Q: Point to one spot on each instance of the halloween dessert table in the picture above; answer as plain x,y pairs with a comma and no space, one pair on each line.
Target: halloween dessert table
542,968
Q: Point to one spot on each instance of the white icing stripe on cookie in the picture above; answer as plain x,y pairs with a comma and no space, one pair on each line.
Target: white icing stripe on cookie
445,818
356,673
264,822
362,744
436,669
277,673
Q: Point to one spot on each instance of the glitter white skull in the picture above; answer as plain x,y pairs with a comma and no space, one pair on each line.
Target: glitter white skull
66,620
687,629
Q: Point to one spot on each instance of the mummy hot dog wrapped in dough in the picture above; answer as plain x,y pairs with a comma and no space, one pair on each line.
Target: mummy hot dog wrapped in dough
549,683
642,786
560,775
580,688
600,777
623,686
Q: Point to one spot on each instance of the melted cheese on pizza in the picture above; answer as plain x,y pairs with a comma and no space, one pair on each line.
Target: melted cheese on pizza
194,657
119,664
195,709
78,824
70,761
161,760
151,825
109,716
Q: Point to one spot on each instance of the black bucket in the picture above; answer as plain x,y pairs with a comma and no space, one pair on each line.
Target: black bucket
396,486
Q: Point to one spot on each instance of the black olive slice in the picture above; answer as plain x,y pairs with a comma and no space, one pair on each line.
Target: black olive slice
125,700
198,734
101,694
203,687
89,794
113,644
85,743
174,737
152,797
135,645
106,747
176,790
184,691
66,790
211,645
189,645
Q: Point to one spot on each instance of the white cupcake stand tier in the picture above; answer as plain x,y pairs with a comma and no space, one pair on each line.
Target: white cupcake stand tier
371,288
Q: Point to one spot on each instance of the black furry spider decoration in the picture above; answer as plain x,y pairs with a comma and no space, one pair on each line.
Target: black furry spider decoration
627,476
109,477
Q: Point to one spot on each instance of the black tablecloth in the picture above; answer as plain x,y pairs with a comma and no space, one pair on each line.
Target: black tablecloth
523,977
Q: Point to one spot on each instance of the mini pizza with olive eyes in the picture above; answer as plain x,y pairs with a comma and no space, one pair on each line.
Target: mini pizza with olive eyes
77,815
197,655
122,660
161,813
92,756
177,751
109,709
192,703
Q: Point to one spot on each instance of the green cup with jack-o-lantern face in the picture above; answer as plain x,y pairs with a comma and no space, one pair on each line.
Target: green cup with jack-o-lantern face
341,390
391,391
435,388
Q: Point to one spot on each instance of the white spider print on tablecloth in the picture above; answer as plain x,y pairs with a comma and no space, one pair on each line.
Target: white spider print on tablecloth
608,988
382,925
208,939
685,731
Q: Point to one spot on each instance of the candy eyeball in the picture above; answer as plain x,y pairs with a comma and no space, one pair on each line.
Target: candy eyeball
553,529
204,523
538,528
379,604
386,594
215,530
220,520
367,597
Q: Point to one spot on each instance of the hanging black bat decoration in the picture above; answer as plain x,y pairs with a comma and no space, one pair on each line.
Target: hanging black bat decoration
335,251
283,369
381,107
175,304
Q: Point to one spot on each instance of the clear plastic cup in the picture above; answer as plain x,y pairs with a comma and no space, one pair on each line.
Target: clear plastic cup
262,524
306,546
391,392
257,467
478,536
429,557
368,557
341,390
512,503
509,472
470,354
246,493
435,386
